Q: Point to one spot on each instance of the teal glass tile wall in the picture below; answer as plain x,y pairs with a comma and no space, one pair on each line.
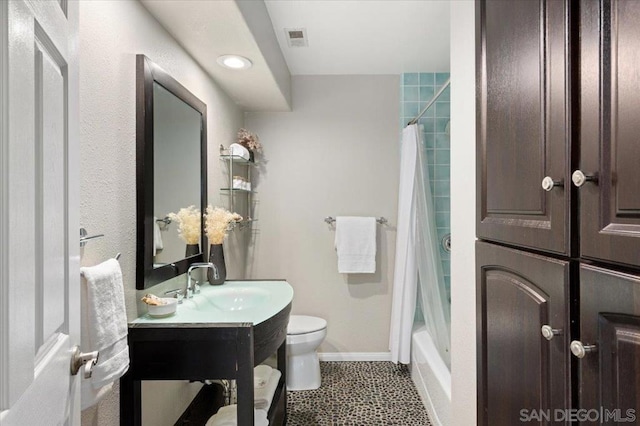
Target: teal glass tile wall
417,90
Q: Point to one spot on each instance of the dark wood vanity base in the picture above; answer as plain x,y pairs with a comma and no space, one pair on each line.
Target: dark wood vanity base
201,351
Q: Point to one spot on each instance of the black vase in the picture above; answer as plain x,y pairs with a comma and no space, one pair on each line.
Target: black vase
251,156
192,250
216,256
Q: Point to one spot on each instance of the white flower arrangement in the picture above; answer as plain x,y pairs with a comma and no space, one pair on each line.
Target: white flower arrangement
218,222
189,220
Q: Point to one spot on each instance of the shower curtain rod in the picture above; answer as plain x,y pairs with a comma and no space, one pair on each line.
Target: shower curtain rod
437,95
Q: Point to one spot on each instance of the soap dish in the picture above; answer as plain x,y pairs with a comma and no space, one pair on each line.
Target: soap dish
166,310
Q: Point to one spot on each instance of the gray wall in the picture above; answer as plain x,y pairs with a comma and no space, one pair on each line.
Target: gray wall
336,153
111,34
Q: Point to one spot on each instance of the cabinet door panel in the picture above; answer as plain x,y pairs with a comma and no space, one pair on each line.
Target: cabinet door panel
518,369
610,319
523,127
610,127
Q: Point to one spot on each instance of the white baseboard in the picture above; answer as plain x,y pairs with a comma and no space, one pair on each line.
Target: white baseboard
354,356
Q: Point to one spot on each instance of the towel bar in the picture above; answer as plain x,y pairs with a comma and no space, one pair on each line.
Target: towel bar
166,220
381,220
84,238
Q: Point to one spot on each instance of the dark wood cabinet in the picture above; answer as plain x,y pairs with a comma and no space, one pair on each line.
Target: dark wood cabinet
518,293
610,130
610,321
523,123
557,97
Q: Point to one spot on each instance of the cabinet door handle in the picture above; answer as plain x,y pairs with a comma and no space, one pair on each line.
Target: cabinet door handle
580,178
548,332
548,183
579,350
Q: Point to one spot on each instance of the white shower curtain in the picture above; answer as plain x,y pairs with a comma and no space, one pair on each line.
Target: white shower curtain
417,256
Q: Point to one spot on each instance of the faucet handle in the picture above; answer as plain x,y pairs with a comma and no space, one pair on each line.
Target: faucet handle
176,292
196,287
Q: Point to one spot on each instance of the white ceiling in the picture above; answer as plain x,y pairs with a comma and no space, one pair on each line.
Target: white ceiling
345,37
211,28
364,36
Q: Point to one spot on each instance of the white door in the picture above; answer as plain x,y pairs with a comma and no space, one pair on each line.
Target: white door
39,187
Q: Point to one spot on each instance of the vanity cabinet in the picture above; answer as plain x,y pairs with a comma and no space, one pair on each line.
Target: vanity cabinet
558,174
203,351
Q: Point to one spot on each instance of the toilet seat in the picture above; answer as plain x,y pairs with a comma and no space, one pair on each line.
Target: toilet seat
303,324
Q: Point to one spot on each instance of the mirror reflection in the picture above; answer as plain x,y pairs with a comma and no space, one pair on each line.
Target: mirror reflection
177,171
171,175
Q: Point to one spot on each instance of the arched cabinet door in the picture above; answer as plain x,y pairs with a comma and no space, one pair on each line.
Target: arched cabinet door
610,327
521,373
608,174
523,131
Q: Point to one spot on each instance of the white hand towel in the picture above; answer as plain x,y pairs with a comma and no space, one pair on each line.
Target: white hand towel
104,326
356,244
262,397
157,236
261,375
228,416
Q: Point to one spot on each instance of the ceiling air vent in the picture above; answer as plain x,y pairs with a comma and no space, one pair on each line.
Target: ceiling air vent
296,37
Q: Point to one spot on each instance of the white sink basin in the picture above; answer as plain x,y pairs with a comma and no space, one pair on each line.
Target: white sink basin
237,299
234,301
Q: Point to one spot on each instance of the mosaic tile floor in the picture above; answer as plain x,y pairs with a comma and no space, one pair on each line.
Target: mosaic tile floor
359,394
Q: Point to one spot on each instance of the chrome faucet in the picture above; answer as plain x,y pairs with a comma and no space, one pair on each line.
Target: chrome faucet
191,289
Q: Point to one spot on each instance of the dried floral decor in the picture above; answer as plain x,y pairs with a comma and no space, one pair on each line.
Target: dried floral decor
189,222
249,140
218,222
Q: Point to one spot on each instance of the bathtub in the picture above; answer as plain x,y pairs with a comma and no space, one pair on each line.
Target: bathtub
431,376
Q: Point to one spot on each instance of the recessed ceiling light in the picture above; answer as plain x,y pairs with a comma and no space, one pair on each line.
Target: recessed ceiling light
234,62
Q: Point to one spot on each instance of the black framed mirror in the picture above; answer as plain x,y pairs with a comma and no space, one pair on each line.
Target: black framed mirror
171,174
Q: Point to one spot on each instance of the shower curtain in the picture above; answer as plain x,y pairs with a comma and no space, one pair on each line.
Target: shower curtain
417,256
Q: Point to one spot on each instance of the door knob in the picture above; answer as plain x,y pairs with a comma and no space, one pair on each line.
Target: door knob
548,183
548,332
580,178
579,350
78,359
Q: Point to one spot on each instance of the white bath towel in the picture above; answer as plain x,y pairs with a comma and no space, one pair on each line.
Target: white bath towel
157,236
261,375
227,416
356,244
262,397
104,326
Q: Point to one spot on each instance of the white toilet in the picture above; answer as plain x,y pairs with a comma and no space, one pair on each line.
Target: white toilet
304,335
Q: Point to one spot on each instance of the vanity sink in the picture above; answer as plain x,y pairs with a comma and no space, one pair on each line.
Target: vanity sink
240,298
234,301
223,332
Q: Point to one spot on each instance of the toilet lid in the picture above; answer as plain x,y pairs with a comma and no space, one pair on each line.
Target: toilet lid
301,324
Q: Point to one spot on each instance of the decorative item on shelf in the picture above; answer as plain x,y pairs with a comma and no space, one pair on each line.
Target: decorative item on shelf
218,222
189,220
237,150
240,182
250,141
